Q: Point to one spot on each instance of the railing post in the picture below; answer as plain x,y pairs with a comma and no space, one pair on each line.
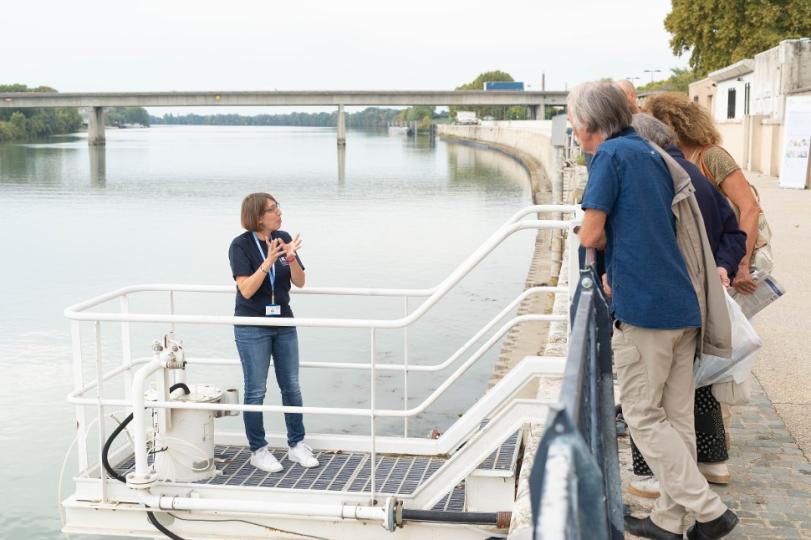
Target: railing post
100,408
126,347
172,307
78,383
373,455
405,367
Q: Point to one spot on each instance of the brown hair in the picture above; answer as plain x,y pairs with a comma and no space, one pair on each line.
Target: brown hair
692,124
253,207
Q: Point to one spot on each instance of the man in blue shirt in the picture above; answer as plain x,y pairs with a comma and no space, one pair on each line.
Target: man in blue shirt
627,206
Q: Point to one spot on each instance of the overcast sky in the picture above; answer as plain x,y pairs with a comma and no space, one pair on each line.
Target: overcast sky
152,45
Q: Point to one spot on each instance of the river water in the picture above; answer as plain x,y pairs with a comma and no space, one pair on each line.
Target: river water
161,205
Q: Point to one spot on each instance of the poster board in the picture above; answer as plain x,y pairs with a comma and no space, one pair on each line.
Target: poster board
794,170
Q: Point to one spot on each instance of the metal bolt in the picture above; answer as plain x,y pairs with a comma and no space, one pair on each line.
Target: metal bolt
587,283
156,346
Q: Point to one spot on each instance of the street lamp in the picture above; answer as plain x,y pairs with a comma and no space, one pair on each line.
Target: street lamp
652,71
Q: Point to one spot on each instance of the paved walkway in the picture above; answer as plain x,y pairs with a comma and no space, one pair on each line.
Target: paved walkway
769,458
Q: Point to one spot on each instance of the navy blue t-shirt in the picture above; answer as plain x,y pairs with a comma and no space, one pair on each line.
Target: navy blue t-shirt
650,285
245,260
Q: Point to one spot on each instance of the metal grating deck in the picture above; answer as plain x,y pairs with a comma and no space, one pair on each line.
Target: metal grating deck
347,471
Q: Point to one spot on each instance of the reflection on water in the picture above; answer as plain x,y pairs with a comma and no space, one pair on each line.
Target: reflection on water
98,166
162,205
341,165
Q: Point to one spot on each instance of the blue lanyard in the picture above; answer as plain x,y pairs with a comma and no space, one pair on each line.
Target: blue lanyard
272,272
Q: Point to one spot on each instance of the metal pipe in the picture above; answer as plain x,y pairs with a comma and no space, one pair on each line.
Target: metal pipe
139,414
383,514
373,453
405,367
500,520
100,405
78,378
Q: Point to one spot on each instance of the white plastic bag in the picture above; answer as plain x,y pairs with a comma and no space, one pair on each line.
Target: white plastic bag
745,342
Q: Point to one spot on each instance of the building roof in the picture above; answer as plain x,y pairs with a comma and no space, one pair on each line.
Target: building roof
747,65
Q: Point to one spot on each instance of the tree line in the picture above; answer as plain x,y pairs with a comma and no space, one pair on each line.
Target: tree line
31,124
371,117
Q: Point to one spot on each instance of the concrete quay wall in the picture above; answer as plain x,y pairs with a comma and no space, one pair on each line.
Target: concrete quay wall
529,141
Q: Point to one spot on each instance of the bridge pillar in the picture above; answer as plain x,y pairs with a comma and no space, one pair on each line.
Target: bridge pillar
95,127
341,126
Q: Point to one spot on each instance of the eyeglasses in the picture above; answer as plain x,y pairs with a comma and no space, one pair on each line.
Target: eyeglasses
275,209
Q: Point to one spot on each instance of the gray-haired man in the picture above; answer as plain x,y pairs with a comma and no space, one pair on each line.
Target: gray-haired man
658,312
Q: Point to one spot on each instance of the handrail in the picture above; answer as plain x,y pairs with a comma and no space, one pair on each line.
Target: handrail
76,311
80,312
397,413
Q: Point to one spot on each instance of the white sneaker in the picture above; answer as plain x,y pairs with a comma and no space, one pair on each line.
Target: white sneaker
263,459
646,486
715,473
302,454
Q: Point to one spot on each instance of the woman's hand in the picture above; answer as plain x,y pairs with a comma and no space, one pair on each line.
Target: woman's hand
275,250
722,273
743,281
291,248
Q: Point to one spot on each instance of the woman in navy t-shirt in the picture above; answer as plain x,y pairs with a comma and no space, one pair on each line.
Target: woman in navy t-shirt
264,262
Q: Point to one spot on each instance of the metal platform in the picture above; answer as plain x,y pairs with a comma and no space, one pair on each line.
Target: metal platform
348,471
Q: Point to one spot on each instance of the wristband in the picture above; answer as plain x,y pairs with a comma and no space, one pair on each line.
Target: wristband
263,270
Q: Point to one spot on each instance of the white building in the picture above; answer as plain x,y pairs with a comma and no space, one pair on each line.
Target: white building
748,102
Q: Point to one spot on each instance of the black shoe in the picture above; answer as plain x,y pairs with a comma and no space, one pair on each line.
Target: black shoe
717,528
648,529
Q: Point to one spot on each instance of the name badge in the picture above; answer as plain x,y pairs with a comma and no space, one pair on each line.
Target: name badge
273,310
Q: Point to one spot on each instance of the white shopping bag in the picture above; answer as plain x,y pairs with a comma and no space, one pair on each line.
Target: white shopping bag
710,369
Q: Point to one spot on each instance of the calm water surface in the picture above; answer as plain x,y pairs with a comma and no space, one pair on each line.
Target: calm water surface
162,205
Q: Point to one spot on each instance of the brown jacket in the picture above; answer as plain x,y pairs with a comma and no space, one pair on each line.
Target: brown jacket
716,330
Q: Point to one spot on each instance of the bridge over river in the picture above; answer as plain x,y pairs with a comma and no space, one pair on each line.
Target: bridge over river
97,101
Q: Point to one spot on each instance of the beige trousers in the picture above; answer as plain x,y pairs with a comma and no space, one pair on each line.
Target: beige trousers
655,370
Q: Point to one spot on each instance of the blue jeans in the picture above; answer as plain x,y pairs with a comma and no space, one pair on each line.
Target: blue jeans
256,344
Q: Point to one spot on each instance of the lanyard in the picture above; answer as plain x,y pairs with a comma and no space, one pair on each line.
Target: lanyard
272,272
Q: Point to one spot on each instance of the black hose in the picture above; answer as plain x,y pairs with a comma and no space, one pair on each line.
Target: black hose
157,524
106,449
179,385
114,474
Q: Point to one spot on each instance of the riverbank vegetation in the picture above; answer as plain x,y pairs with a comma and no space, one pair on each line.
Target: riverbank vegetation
32,124
126,116
371,117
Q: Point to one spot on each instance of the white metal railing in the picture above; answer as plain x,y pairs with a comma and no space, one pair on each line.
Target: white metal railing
134,390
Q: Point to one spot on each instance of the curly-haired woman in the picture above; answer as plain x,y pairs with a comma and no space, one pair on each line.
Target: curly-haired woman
699,141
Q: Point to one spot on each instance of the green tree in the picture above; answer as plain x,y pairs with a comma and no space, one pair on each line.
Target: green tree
34,123
721,33
679,81
499,113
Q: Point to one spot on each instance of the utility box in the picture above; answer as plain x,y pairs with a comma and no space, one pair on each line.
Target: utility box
559,130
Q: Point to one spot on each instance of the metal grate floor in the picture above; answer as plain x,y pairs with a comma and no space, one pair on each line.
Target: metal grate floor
346,471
